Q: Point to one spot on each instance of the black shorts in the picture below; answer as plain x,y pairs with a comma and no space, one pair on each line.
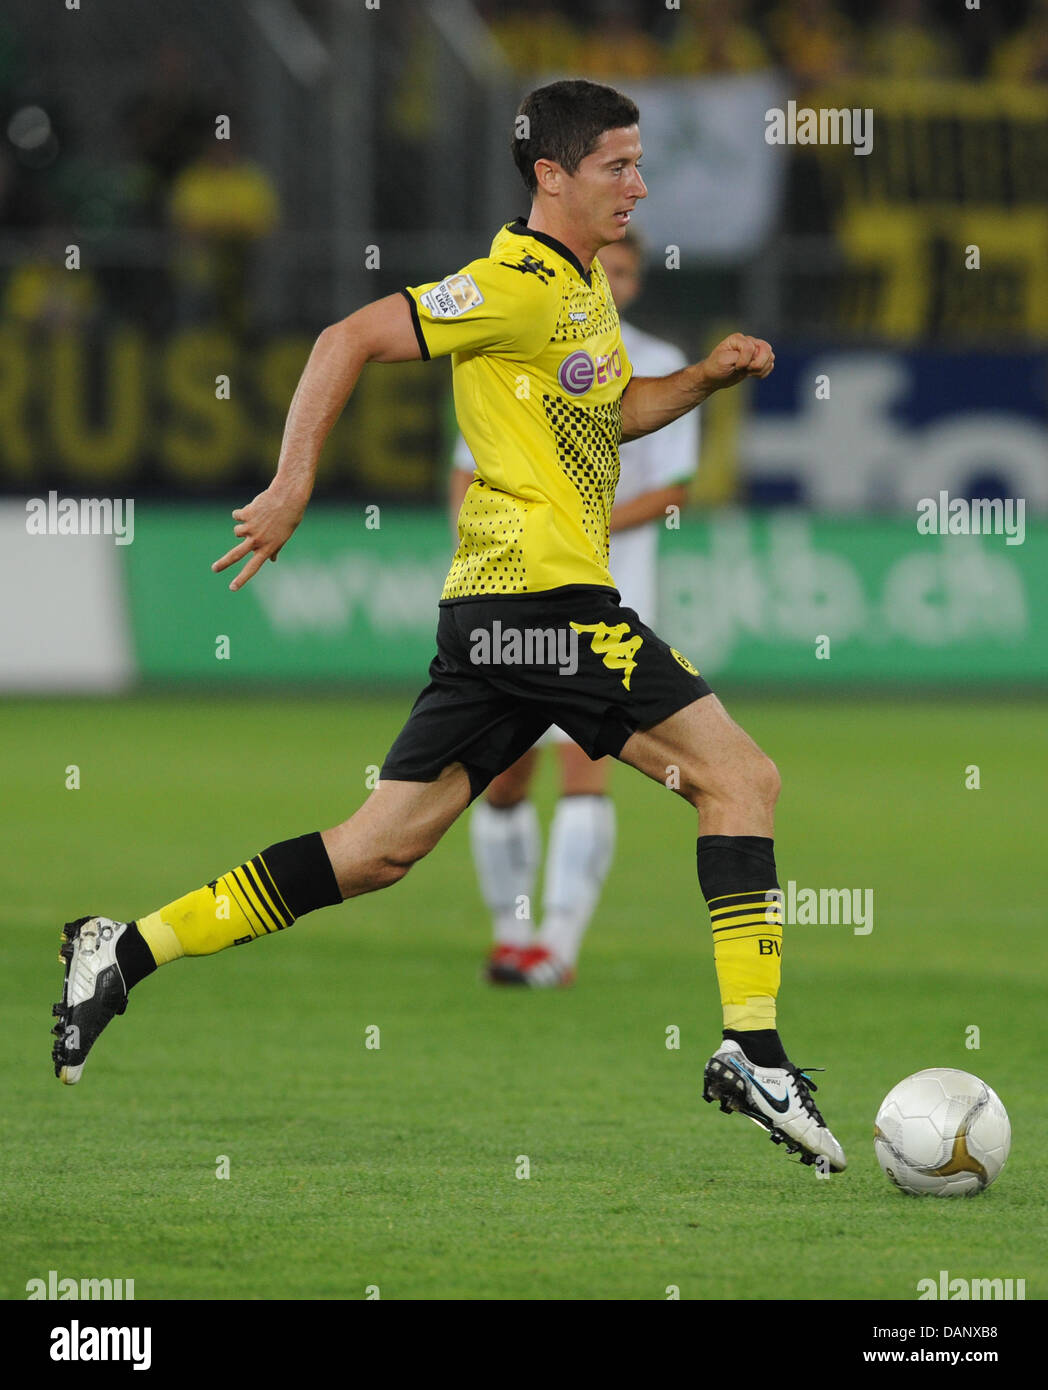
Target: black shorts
508,668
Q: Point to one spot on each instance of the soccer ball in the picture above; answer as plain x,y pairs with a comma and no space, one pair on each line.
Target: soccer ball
942,1133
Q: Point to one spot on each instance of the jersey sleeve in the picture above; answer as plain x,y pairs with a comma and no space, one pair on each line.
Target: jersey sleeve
489,306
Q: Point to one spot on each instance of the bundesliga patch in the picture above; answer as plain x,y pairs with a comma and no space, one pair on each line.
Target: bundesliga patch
452,297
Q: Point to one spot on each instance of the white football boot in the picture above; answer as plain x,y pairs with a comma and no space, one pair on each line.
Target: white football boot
777,1098
93,992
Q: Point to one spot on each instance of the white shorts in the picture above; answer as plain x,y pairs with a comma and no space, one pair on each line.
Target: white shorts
553,735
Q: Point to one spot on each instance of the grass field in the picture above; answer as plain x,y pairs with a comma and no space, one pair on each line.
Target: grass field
396,1167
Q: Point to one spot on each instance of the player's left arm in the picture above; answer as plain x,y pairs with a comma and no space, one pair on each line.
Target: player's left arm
649,506
650,402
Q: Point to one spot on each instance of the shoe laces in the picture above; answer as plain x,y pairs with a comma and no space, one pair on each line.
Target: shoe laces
805,1085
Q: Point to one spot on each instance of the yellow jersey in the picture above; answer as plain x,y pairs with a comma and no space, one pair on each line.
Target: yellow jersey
538,369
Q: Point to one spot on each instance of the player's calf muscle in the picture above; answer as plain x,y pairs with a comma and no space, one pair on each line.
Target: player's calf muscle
396,827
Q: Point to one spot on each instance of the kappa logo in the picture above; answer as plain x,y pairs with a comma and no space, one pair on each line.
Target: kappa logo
609,643
532,265
456,295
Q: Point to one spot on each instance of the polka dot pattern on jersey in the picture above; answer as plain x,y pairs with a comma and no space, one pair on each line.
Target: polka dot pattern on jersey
588,451
490,558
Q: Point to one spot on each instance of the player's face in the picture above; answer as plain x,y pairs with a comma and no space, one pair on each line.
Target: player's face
621,264
607,186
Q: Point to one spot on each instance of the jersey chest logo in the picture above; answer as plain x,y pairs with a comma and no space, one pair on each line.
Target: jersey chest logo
578,372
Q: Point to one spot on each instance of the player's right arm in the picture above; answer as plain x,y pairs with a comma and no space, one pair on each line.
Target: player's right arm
379,332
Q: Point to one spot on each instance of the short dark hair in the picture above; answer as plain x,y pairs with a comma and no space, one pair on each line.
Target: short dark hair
565,121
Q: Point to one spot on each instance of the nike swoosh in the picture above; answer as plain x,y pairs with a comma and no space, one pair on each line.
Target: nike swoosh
779,1106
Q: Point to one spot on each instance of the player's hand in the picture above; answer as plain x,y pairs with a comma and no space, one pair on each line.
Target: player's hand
737,358
264,525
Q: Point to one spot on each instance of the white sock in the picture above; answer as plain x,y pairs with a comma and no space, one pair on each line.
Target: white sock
581,843
506,849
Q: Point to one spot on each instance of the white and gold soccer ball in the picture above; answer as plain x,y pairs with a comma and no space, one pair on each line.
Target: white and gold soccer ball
942,1133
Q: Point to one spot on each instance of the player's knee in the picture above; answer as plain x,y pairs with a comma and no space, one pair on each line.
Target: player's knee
511,786
767,784
504,793
757,784
754,783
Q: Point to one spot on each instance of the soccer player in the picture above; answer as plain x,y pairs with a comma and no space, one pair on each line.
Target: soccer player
531,631
504,827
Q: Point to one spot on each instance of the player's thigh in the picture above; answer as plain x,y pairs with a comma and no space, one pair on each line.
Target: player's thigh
582,775
401,821
701,750
513,785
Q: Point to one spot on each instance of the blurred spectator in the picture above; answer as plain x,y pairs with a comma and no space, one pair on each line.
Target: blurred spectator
168,122
538,39
904,41
715,38
42,293
813,41
221,205
1024,56
617,47
12,62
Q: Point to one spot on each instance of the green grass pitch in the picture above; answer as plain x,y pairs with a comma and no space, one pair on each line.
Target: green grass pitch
352,1167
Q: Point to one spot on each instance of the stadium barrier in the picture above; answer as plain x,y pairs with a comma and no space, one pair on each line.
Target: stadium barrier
760,598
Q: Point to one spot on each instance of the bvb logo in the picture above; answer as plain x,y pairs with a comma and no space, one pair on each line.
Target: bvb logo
684,661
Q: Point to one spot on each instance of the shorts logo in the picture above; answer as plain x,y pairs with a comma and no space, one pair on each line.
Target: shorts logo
684,661
452,297
610,643
576,373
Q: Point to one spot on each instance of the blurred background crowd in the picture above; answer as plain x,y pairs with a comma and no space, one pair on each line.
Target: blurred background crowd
253,170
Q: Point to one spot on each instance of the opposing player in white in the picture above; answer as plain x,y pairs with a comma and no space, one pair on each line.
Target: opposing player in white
504,827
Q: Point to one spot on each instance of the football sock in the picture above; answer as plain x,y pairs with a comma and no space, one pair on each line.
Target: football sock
581,844
264,895
738,880
762,1046
506,848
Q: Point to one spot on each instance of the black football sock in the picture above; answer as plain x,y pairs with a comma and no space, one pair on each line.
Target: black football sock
133,956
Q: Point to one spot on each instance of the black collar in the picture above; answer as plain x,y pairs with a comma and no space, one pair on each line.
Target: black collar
521,228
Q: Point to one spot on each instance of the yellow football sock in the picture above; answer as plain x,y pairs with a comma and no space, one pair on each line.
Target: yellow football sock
241,905
747,950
